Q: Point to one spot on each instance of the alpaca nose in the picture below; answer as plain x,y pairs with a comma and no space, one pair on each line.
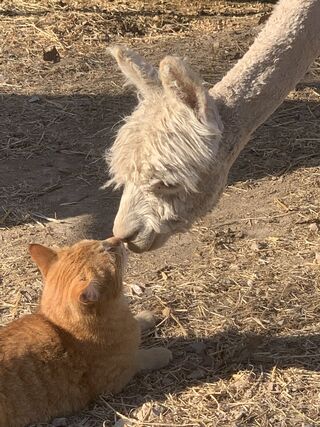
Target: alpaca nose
123,233
130,238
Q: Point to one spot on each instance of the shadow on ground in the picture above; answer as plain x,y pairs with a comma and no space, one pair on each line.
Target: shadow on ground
52,155
221,356
209,360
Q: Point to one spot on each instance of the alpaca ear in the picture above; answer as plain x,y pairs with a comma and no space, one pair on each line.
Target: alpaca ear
44,257
137,70
185,85
91,293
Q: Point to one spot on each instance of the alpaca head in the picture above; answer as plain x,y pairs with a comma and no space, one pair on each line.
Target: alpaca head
165,156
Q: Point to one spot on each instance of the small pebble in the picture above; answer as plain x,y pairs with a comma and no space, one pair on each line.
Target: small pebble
137,289
34,98
313,227
257,246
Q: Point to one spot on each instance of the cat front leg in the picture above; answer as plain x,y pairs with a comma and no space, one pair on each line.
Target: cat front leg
145,320
153,358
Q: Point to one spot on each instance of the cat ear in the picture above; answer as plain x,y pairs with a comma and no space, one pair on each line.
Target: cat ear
91,293
44,257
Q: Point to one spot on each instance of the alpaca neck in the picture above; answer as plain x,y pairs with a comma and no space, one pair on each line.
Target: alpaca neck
277,60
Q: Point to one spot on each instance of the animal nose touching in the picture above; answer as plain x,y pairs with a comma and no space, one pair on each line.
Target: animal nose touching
136,237
125,228
173,154
163,151
114,241
139,234
132,228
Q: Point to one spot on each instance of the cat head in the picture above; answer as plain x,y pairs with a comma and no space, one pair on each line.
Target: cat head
80,278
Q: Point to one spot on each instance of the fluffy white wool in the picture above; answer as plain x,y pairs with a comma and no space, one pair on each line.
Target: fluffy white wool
170,144
186,137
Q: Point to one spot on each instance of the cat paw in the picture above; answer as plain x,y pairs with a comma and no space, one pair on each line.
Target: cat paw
146,320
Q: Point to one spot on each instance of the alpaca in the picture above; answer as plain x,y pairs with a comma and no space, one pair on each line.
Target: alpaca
173,154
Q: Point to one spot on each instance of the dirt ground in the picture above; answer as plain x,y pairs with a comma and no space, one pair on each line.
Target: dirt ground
238,297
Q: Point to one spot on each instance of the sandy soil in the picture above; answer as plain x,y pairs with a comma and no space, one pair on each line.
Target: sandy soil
238,296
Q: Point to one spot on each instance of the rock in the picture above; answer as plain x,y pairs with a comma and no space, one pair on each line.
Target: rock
51,55
157,409
34,98
314,227
137,289
257,246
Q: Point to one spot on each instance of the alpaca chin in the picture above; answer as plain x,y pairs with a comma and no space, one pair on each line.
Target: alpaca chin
142,243
150,242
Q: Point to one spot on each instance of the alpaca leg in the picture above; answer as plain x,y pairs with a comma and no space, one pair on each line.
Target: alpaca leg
145,320
153,358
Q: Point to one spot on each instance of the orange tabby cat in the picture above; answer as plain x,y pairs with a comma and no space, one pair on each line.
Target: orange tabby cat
82,341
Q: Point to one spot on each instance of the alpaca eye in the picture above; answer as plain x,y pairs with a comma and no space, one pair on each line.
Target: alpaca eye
161,187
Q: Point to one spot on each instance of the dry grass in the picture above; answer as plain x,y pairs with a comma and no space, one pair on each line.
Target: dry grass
237,297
